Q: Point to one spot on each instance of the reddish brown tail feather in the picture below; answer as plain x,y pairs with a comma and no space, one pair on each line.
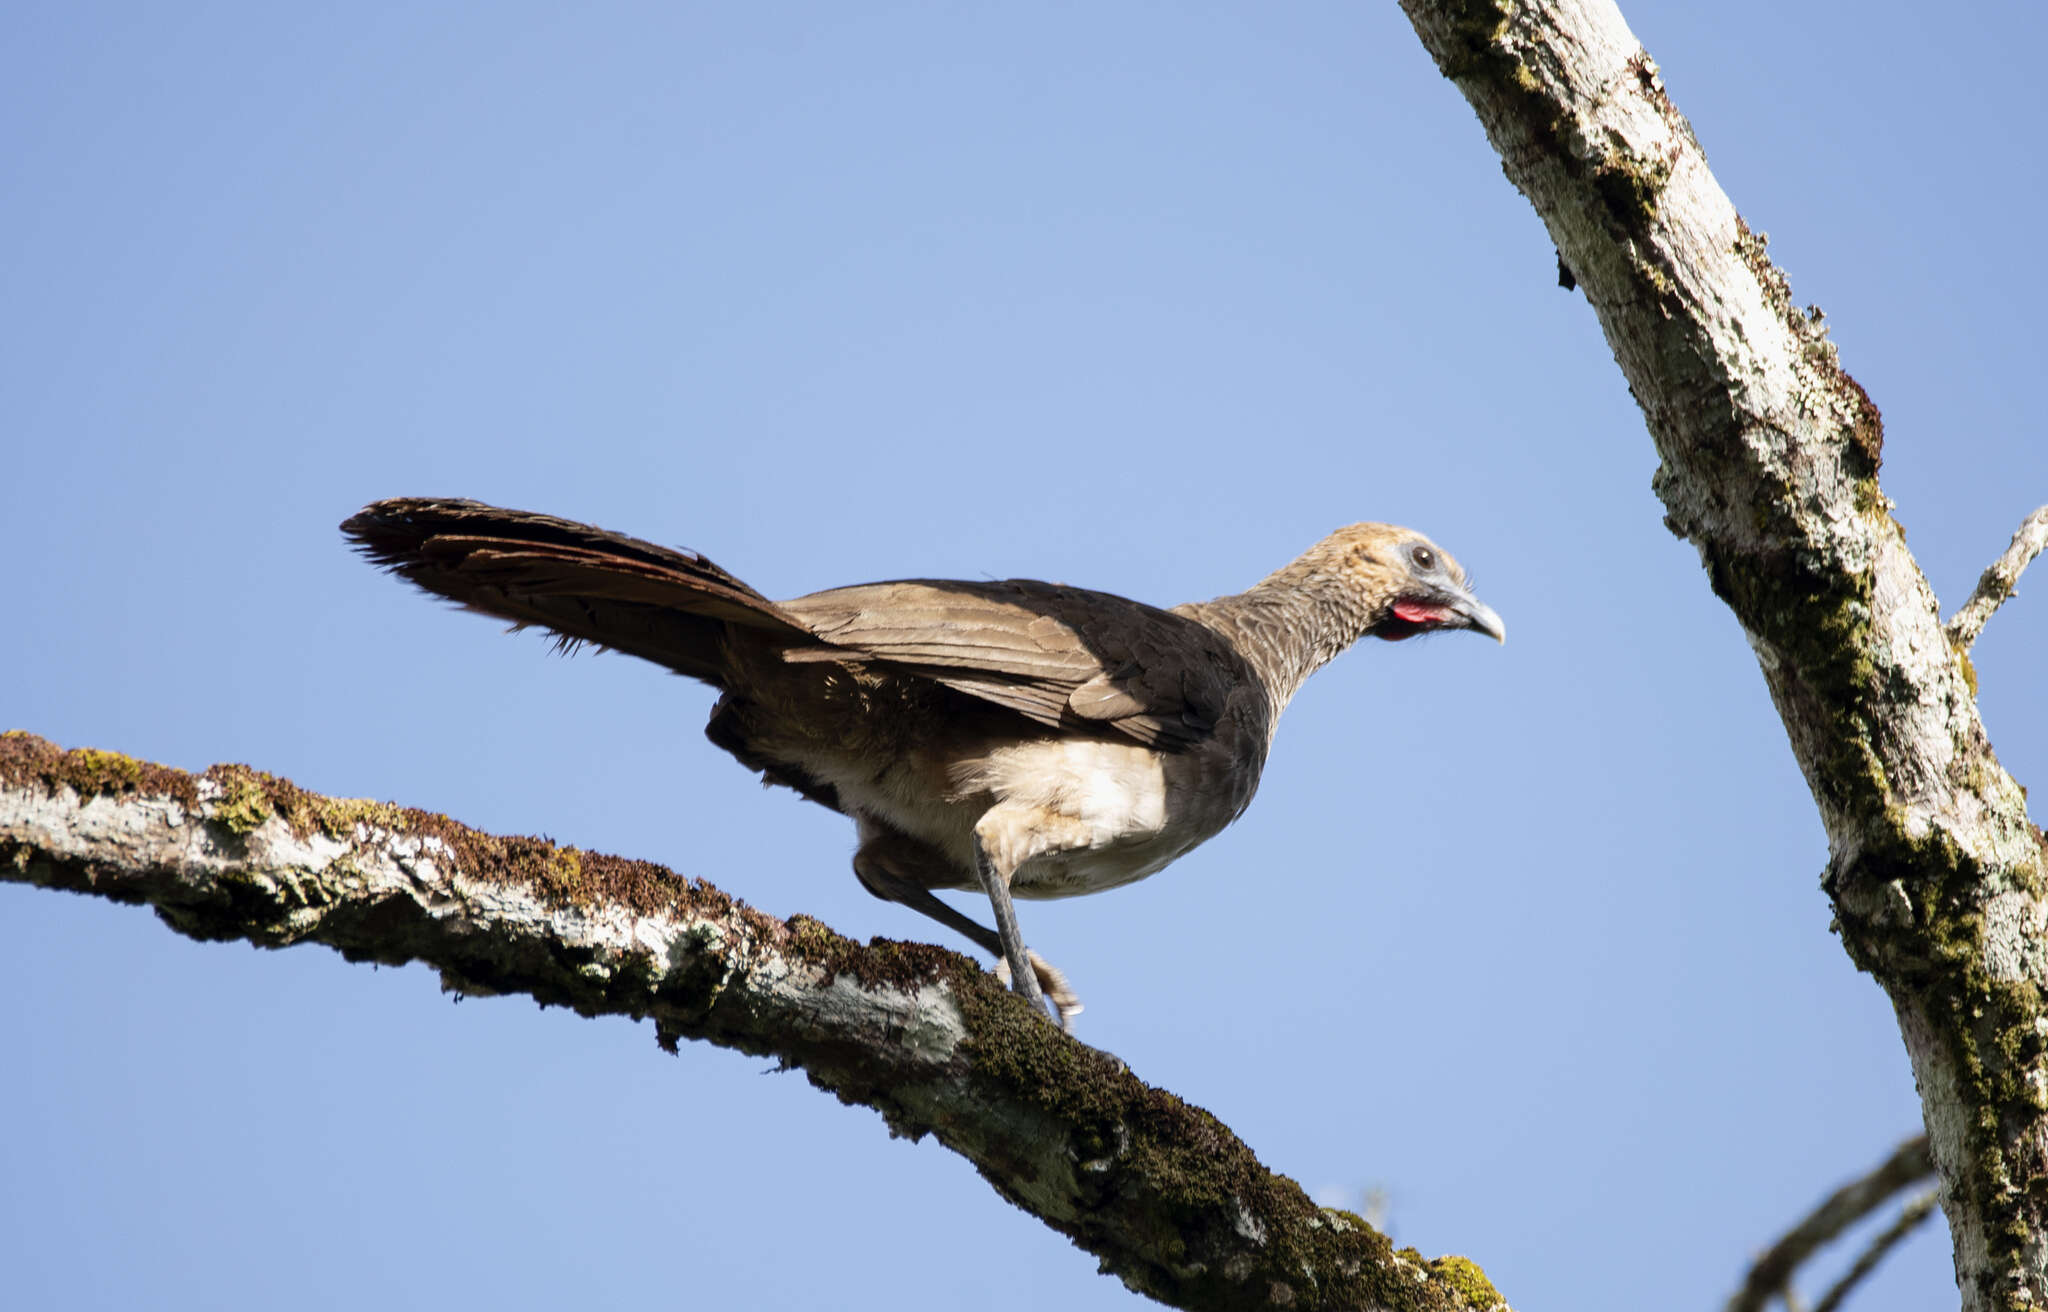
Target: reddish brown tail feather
583,583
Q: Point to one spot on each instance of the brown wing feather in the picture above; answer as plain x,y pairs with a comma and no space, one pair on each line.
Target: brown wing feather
1055,654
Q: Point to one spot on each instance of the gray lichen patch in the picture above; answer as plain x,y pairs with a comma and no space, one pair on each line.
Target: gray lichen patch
1858,417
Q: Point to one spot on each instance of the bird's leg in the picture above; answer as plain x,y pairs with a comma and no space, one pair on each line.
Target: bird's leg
888,865
996,883
901,869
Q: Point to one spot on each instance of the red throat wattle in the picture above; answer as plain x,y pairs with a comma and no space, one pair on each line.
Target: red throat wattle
1415,612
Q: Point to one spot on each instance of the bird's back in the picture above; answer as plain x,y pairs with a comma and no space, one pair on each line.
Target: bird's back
1064,657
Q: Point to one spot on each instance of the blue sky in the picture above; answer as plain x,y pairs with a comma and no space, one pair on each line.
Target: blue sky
1145,297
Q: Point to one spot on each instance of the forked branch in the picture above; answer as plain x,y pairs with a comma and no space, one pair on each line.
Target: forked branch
1912,1216
1772,1273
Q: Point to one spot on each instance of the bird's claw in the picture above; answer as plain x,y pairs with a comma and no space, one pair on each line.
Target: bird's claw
1052,981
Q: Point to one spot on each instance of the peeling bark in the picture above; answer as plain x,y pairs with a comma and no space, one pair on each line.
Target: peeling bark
1165,1195
1769,456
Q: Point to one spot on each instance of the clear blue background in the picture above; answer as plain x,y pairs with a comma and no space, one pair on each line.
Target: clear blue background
1141,296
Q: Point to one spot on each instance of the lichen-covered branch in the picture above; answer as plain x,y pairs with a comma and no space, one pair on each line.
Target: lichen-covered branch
1170,1201
1996,584
1768,464
1771,1274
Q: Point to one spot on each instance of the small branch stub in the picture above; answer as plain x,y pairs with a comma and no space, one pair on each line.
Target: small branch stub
1997,583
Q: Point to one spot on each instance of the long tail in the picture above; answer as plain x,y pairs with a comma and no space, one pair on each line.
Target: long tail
583,583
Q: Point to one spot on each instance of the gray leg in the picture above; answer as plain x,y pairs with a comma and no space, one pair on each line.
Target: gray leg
900,869
1023,973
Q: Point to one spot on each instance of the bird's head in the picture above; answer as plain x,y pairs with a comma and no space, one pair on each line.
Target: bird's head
1411,585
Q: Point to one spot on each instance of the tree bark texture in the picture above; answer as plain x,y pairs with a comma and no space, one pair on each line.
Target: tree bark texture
1164,1194
1769,456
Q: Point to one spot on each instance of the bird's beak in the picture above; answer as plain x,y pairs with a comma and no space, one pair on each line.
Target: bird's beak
1440,606
1476,615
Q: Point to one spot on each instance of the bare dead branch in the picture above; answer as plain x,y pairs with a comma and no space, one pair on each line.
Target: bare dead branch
1995,586
1768,456
1771,1275
1911,1218
1169,1199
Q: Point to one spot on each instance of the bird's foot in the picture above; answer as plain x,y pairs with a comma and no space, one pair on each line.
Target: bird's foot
1052,982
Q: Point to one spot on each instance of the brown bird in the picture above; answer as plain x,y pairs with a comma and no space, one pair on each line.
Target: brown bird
1017,737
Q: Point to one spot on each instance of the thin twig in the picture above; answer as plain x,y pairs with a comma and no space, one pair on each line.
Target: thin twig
1912,1218
1997,583
1772,1272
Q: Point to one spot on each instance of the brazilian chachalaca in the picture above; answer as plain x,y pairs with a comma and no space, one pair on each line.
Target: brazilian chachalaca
1017,737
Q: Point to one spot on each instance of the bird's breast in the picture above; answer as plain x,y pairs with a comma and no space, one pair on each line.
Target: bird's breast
1108,812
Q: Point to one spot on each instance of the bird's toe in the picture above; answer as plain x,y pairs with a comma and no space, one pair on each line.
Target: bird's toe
1061,1002
1058,993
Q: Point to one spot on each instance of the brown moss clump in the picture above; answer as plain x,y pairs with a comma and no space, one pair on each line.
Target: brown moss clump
879,963
88,771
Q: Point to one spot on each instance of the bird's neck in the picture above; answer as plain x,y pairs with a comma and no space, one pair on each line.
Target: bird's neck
1289,625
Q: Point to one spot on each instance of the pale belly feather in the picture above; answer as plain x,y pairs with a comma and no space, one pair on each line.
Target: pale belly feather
1100,806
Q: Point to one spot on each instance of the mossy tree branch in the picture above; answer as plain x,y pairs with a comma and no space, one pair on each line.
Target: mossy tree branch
1165,1195
1769,456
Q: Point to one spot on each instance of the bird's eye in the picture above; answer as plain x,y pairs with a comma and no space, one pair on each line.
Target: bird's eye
1424,558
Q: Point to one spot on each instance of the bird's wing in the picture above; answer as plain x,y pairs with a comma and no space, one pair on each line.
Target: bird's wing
1055,654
